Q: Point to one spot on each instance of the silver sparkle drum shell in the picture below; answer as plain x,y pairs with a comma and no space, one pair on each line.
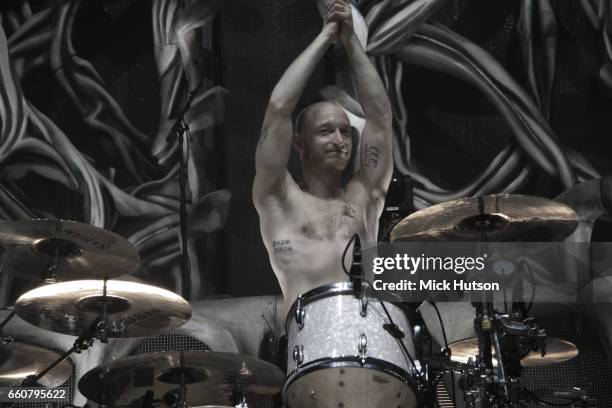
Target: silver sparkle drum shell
334,370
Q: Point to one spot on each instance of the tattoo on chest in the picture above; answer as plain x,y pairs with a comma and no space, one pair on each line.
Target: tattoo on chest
263,135
281,246
349,210
370,156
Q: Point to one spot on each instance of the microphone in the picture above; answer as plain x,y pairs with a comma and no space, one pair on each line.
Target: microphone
356,272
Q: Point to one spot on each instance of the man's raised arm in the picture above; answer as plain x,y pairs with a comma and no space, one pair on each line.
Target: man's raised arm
274,144
376,162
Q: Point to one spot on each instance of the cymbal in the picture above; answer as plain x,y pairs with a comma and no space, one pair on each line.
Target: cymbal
557,351
20,360
211,378
504,218
84,251
134,309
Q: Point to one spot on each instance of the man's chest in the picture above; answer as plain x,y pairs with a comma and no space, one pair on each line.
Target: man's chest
325,220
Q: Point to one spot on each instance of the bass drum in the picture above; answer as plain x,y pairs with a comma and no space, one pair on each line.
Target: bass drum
341,354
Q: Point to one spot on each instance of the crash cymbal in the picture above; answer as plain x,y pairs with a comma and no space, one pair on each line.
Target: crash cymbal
20,360
557,351
83,251
134,309
211,378
495,218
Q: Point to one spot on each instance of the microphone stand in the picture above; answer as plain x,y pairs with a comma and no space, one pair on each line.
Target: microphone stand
178,131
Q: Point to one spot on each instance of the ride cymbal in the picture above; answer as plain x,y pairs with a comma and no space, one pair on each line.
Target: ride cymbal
83,251
493,218
133,309
557,351
20,360
211,378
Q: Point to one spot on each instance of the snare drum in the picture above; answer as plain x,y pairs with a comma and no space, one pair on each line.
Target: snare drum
340,353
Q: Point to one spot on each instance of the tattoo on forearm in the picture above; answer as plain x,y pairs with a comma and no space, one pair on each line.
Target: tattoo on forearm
263,135
370,156
281,246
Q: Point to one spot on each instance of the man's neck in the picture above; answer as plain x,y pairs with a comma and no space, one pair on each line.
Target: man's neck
322,185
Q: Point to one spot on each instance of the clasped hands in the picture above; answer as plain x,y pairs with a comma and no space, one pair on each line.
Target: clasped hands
338,21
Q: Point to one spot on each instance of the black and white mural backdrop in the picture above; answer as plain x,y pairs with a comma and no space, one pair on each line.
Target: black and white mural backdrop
505,96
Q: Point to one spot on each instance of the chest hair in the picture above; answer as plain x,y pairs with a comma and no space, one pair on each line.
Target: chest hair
327,220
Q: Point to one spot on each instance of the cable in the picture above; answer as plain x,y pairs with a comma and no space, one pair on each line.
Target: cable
353,238
394,327
545,403
441,322
400,339
387,233
533,288
447,349
407,353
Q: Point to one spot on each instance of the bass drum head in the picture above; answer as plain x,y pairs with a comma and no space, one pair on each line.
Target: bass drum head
349,387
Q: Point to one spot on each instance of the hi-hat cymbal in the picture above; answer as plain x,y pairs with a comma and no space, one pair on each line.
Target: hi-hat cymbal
133,309
557,351
83,251
211,378
494,218
20,360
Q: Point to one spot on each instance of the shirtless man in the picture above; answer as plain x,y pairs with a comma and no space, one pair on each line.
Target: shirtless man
306,226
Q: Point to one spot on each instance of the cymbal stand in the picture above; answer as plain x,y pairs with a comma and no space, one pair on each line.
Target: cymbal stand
6,339
177,397
484,380
82,343
6,275
146,401
183,398
240,383
497,383
488,380
49,274
178,131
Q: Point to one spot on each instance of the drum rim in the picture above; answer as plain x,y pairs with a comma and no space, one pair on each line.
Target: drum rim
352,361
332,289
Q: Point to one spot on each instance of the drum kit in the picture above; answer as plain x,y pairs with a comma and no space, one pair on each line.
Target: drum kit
345,346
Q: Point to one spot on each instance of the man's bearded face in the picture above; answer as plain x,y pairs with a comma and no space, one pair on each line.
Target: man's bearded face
325,140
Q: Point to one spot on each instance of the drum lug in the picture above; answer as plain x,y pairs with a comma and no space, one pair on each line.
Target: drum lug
362,346
298,355
364,300
300,313
364,306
